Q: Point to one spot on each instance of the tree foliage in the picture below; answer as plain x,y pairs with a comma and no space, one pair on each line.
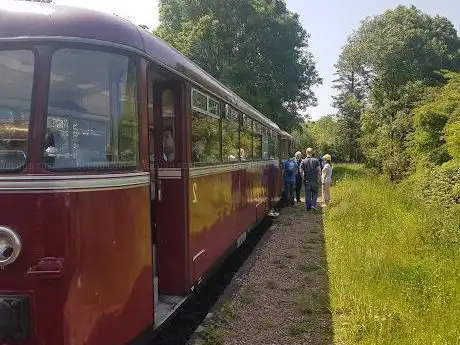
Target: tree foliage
323,135
256,47
436,137
387,66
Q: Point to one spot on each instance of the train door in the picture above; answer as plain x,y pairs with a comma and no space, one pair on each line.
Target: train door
153,177
166,133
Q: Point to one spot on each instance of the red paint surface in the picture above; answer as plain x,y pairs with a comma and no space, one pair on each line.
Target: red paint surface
251,190
103,237
171,237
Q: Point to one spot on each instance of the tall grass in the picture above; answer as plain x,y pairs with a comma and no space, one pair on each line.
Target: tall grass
394,264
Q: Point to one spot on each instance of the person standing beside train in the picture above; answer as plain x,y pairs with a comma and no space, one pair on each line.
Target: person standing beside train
298,176
326,179
311,175
289,175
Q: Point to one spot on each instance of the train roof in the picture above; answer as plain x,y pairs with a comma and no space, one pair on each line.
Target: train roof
38,21
285,135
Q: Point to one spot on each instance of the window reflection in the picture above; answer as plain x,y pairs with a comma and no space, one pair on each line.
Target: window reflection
230,141
205,138
92,111
168,133
265,143
16,82
246,139
271,144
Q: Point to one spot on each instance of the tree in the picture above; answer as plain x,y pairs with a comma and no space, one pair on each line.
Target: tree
395,56
321,135
353,76
404,45
302,137
324,132
349,127
352,85
256,47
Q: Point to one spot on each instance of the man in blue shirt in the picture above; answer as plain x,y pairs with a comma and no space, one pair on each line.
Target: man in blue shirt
289,173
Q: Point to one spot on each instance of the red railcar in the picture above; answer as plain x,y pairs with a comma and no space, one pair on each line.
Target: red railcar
126,173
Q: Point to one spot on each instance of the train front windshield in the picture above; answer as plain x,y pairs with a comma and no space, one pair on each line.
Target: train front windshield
91,120
92,111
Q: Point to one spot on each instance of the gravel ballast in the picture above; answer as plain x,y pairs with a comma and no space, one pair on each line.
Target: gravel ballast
281,295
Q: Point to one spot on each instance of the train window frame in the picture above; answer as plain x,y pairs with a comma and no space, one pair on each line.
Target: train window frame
271,135
212,114
217,104
231,115
257,129
226,114
277,145
168,156
265,143
197,107
132,58
244,127
209,99
32,100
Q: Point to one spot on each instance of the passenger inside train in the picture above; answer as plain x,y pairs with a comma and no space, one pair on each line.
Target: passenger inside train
169,153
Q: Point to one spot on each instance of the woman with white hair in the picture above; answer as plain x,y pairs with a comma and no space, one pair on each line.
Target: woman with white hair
298,176
326,179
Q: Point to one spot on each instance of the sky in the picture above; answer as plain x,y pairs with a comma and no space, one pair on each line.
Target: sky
329,22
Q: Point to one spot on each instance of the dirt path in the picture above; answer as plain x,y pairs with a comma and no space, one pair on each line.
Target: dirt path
284,297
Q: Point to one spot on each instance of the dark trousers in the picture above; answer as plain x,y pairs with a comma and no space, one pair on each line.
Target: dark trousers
298,186
289,192
311,194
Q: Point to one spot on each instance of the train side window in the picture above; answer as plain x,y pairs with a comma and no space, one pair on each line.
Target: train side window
246,138
271,144
16,82
92,111
257,140
277,146
230,140
265,143
168,115
205,129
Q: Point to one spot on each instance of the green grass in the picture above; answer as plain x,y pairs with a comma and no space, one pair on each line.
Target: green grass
312,303
394,264
211,335
213,332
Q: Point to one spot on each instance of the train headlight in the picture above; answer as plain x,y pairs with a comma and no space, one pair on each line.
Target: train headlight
10,246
